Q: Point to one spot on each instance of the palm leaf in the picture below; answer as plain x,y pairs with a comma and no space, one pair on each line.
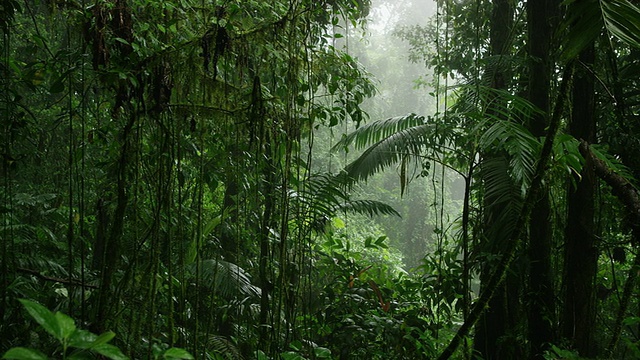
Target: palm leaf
588,18
224,347
398,139
622,20
367,207
376,131
499,104
322,196
582,25
503,198
227,279
390,150
522,148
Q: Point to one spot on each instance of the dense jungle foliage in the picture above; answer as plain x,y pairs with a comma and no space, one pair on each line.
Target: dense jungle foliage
227,179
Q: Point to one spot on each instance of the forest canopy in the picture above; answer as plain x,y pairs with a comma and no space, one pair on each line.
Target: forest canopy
335,179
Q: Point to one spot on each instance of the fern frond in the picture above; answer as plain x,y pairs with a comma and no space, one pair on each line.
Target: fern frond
378,130
322,196
503,197
224,347
368,207
522,147
228,279
499,104
390,150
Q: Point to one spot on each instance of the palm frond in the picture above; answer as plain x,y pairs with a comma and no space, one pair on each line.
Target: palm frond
320,193
507,172
391,149
228,279
499,104
503,198
322,196
378,130
622,20
368,207
224,347
587,19
522,148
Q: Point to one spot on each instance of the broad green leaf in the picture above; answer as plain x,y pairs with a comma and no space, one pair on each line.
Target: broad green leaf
44,317
66,325
631,321
110,351
208,228
104,338
122,41
584,26
20,353
81,355
367,242
380,242
156,350
82,339
177,353
296,345
58,84
622,20
322,352
290,355
338,223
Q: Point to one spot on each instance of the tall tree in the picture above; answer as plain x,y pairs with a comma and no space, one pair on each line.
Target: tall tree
581,253
495,330
540,293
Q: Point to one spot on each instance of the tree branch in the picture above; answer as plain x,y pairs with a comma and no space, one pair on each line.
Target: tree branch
628,195
55,279
621,187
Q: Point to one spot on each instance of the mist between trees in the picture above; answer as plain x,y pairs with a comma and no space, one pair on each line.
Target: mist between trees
335,179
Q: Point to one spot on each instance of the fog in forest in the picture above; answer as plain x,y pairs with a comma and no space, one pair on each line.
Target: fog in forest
431,204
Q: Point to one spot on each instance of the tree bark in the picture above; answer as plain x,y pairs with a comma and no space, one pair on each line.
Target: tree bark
494,323
581,254
540,295
499,275
112,240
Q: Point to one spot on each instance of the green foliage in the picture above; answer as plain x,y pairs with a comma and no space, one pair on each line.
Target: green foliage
74,342
162,177
588,18
395,140
228,279
559,353
175,353
368,298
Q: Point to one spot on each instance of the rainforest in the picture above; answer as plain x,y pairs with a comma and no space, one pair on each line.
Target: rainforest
319,179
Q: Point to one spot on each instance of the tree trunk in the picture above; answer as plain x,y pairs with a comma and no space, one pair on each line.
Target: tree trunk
540,295
581,253
112,239
494,324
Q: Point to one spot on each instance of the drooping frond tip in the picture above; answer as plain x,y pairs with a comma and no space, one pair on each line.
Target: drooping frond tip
374,132
404,143
369,207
